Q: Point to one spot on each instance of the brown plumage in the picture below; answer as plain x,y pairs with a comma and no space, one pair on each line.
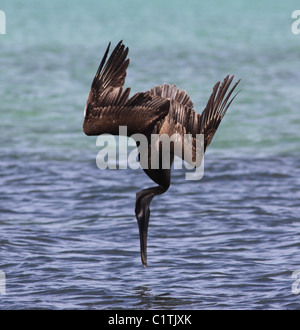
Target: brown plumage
161,110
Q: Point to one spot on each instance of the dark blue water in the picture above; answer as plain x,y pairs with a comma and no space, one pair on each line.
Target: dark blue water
69,237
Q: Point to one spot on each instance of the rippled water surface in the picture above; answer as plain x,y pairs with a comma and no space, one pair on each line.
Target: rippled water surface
69,237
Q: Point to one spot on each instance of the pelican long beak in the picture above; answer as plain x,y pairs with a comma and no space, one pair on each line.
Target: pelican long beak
142,215
143,229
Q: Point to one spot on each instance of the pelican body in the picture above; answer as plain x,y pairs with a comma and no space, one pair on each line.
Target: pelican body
163,109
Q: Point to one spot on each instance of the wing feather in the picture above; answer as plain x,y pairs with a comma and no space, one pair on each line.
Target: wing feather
109,106
208,121
182,118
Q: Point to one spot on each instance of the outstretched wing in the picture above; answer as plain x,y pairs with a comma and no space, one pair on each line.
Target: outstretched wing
182,118
110,77
216,108
109,106
188,121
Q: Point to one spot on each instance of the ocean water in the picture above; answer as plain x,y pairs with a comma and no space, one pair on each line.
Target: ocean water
68,234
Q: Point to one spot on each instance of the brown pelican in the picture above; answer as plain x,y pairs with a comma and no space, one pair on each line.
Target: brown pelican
163,109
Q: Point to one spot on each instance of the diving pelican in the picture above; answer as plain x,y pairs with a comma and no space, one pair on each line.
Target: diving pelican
162,110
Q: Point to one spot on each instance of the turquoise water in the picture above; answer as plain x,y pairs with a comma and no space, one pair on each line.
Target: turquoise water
69,238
